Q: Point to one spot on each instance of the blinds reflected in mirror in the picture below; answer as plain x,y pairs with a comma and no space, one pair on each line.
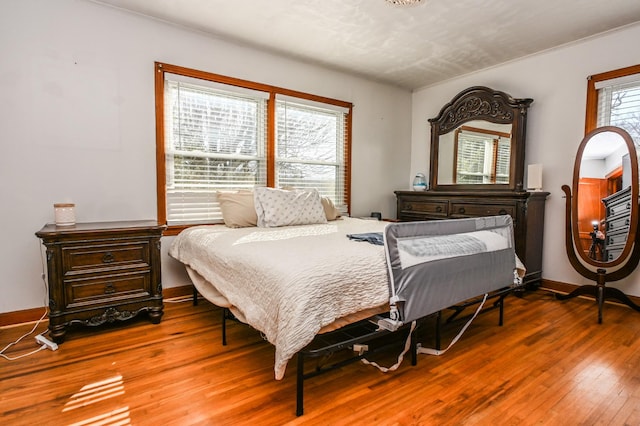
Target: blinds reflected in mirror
482,156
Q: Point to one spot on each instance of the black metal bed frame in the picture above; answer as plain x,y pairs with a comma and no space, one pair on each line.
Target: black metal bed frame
365,331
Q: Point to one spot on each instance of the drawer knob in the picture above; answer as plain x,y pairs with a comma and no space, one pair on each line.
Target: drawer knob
439,209
108,257
461,210
408,206
109,288
502,211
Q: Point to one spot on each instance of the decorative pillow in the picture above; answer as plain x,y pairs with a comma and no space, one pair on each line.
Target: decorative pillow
238,209
278,207
330,210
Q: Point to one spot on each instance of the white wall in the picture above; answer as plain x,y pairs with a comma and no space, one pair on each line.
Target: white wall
77,111
557,81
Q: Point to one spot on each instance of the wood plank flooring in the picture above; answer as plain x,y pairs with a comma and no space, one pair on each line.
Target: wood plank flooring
550,364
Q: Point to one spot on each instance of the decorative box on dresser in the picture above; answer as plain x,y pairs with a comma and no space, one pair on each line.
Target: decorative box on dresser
526,208
101,273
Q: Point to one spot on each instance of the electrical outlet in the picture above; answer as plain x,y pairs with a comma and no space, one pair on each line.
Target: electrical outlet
360,348
48,343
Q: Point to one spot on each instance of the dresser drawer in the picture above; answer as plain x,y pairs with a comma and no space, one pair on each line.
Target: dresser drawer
104,257
474,210
432,208
617,237
614,252
619,224
621,207
98,290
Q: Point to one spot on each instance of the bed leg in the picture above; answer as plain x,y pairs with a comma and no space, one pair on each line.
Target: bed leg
438,327
300,385
414,347
195,296
501,320
224,326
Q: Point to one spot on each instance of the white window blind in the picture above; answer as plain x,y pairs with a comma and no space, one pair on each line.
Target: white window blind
215,138
619,104
310,148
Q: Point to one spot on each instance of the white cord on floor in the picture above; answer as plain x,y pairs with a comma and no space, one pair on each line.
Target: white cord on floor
421,350
22,337
407,346
46,311
430,351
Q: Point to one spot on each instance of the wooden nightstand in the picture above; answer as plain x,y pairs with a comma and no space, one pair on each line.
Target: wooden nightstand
102,272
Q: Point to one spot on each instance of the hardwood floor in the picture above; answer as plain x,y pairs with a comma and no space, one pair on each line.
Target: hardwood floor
550,364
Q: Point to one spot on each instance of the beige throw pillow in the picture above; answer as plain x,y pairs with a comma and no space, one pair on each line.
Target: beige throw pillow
238,209
330,210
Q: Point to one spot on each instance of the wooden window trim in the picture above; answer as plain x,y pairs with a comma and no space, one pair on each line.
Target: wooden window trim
161,68
591,118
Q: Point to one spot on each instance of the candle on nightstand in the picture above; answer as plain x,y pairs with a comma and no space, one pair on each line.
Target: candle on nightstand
65,214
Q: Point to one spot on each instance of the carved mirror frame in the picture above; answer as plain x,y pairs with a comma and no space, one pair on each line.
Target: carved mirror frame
484,104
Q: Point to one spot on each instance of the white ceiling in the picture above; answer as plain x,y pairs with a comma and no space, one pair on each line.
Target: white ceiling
411,46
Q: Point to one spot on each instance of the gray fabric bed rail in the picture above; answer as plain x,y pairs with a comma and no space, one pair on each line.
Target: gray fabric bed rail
436,264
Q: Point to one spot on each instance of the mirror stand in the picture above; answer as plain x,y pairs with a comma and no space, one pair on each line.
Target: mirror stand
600,291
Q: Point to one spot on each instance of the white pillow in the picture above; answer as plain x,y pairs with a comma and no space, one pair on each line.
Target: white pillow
278,207
330,209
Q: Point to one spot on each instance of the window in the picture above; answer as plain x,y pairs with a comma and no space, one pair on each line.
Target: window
216,133
482,156
310,148
613,99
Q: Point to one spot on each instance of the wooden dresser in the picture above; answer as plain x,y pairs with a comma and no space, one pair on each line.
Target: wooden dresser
101,273
526,209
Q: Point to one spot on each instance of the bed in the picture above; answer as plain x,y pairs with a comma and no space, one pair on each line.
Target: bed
300,274
290,283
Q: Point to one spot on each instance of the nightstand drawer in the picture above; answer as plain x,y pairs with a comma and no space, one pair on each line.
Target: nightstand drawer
87,292
97,257
474,210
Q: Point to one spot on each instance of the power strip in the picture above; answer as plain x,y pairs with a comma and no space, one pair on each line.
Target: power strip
48,343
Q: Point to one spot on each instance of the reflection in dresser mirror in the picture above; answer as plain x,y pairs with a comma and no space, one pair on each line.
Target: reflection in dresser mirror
478,142
602,215
477,152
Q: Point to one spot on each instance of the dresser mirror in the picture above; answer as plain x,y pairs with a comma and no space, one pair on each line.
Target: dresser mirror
478,142
601,217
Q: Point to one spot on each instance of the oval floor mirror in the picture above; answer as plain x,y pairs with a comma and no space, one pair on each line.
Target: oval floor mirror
602,215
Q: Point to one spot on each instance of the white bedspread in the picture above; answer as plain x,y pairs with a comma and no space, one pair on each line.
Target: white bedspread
287,282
